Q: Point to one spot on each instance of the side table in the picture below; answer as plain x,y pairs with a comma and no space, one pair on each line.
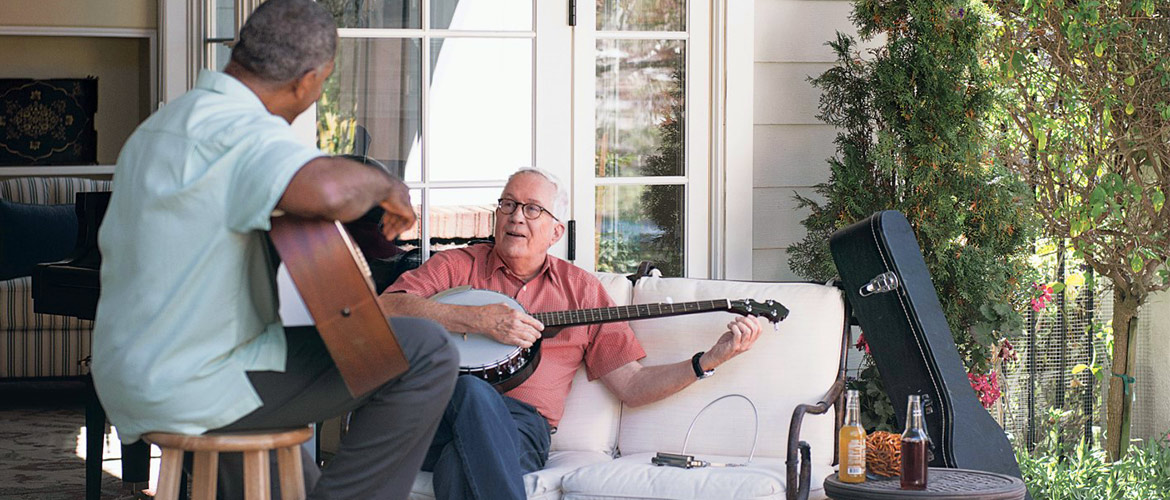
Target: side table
941,484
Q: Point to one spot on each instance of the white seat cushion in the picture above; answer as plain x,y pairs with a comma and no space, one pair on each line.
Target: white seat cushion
544,484
634,477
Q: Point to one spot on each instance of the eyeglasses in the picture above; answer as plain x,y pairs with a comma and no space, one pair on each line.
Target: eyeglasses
532,211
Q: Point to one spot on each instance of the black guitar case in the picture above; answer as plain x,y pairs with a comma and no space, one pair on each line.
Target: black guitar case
894,300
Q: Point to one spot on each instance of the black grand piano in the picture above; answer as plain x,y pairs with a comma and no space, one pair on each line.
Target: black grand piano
71,288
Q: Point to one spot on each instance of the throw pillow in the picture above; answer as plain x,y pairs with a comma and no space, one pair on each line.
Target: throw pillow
31,234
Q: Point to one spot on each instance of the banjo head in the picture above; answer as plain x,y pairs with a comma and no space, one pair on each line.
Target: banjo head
479,353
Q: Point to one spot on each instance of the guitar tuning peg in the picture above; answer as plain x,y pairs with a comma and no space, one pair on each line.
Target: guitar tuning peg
776,326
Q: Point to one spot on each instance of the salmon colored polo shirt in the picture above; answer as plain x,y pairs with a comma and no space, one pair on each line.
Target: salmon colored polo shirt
558,286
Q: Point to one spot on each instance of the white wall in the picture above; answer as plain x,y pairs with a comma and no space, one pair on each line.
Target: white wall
790,145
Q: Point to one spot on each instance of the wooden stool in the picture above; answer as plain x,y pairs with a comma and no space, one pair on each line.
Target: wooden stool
254,445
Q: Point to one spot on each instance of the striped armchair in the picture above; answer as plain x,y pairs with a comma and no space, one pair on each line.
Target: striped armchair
41,345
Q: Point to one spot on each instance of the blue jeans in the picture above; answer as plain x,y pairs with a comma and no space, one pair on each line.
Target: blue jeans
485,444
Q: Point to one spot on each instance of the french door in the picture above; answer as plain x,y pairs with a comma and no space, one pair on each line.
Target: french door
641,132
612,96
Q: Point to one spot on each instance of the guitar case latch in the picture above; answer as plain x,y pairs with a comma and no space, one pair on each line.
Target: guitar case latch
882,283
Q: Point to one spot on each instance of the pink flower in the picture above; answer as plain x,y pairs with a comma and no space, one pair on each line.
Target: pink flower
1043,297
861,343
986,387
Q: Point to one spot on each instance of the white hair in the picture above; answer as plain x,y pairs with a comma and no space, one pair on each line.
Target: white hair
560,202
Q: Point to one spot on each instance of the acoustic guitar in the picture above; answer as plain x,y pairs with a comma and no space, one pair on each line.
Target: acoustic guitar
507,366
333,279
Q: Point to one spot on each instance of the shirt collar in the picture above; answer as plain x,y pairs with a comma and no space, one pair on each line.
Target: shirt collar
223,83
495,263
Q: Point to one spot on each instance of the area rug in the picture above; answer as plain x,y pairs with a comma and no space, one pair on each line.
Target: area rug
42,456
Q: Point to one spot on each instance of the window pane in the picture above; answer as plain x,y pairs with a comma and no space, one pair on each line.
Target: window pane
486,15
640,108
637,223
371,104
374,13
480,108
220,55
641,15
223,19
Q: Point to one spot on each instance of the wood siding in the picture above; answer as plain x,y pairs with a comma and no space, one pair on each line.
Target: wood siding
791,145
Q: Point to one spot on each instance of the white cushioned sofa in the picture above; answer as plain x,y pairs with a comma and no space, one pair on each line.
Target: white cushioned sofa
39,345
602,449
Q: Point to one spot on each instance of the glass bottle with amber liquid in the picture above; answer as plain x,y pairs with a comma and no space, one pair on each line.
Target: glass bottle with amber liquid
914,443
852,442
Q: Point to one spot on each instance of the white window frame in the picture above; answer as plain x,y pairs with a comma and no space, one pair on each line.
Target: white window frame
727,234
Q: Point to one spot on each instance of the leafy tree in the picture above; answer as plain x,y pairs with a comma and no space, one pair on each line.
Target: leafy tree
913,120
1089,98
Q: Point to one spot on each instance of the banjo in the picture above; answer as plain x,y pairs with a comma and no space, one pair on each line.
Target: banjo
507,366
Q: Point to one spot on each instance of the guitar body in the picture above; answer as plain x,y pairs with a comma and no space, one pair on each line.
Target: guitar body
507,366
893,297
333,279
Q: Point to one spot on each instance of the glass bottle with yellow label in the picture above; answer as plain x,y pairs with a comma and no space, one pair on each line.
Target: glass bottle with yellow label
852,442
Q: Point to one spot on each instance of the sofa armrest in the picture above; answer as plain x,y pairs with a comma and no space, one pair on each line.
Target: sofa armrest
794,443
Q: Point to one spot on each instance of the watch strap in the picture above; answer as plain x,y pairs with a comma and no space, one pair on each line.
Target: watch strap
700,373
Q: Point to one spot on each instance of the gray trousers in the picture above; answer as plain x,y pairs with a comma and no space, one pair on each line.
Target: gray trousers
390,428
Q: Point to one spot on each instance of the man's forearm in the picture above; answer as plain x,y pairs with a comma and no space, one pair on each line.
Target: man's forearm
454,318
652,383
336,188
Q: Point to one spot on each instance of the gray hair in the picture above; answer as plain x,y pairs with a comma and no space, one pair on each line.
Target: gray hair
284,39
560,206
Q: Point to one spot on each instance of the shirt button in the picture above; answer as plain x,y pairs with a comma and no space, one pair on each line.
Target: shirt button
524,288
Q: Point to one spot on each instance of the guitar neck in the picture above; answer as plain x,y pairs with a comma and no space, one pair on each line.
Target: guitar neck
628,313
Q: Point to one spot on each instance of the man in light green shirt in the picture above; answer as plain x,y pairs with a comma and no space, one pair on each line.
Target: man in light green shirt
187,337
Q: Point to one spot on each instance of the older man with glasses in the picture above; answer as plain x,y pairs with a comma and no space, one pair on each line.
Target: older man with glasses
486,441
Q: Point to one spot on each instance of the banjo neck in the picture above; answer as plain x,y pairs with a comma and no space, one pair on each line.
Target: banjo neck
628,313
507,366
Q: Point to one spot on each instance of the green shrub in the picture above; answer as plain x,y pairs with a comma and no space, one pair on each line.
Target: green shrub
1056,471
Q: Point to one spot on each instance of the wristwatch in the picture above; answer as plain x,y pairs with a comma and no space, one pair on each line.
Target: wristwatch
700,373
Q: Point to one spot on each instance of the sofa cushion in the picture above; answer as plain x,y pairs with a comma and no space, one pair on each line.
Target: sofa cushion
619,287
591,412
591,418
38,345
31,234
634,477
794,365
544,484
49,190
43,353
